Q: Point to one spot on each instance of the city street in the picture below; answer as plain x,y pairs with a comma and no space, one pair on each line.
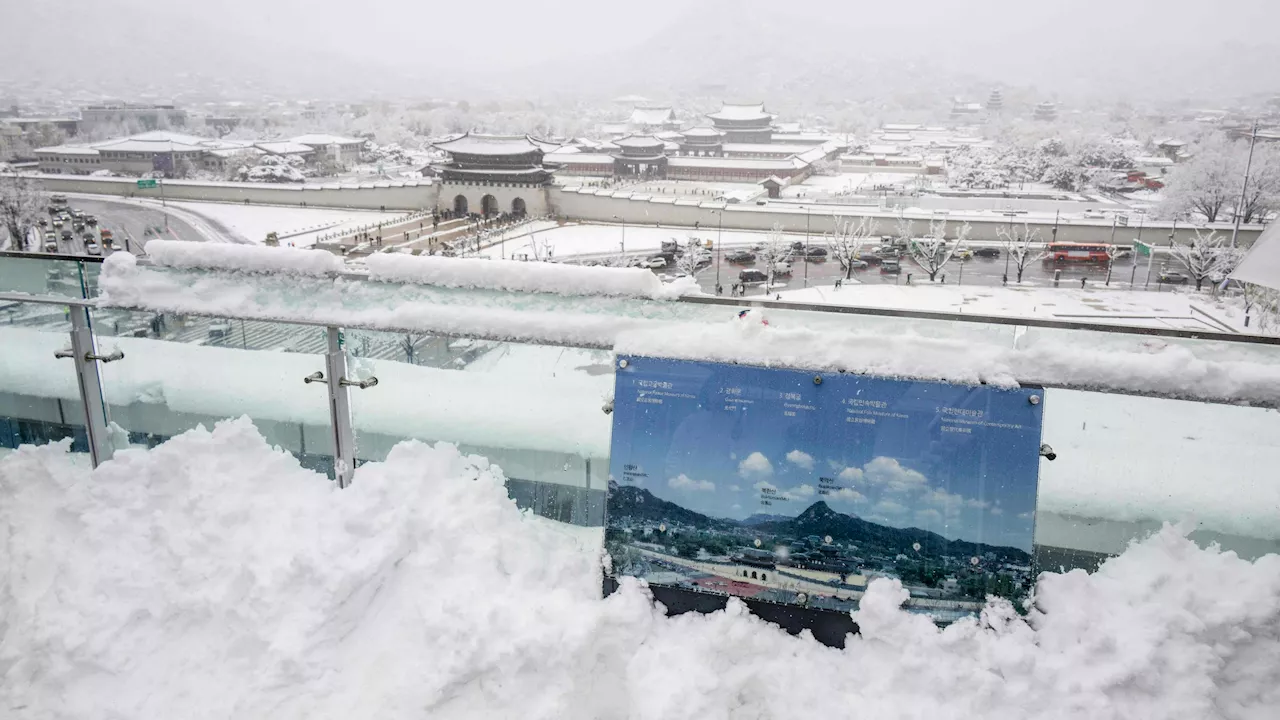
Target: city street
132,224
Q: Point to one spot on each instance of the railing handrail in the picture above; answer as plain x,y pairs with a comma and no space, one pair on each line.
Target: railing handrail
28,254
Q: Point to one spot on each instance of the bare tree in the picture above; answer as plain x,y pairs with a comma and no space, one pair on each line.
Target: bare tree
773,253
846,240
409,345
21,202
1018,245
1205,256
934,251
1263,303
543,250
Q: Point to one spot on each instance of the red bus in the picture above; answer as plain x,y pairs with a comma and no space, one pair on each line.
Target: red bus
1076,252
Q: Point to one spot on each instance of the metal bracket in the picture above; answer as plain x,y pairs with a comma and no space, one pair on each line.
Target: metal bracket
65,354
362,384
110,357
316,376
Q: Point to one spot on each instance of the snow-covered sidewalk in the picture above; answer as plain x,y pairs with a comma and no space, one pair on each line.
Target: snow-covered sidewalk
1179,309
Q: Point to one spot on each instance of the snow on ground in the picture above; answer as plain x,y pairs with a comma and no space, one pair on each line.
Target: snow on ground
824,185
603,240
296,226
1169,309
213,577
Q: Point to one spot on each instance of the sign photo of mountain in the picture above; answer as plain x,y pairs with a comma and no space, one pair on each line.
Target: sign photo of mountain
795,487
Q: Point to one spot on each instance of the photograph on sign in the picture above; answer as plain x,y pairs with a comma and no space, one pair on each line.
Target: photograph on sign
802,488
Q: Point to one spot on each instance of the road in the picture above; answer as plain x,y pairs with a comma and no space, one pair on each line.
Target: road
975,271
132,223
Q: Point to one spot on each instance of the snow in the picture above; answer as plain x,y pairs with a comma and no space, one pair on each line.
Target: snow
590,240
295,226
212,577
248,258
1094,304
1261,265
516,276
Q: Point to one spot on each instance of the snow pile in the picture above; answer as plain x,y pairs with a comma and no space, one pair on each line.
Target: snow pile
518,276
248,258
212,577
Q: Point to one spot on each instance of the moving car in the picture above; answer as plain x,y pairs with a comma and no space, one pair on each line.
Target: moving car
67,235
860,264
1174,278
740,256
817,253
91,247
987,252
219,330
782,268
890,267
752,277
50,245
656,262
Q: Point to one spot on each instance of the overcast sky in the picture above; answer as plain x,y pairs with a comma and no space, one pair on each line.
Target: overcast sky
588,47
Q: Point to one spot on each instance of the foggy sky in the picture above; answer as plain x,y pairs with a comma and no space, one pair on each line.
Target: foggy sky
1167,49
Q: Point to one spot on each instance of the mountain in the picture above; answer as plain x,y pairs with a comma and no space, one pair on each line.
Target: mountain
762,518
819,519
636,502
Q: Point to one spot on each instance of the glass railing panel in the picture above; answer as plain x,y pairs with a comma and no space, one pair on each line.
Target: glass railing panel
37,275
39,393
536,411
1126,464
180,372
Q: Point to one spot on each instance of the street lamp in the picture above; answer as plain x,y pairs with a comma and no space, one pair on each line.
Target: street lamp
624,233
1012,243
719,242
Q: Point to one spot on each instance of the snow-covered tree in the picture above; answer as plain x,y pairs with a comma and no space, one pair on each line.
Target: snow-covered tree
1019,246
1262,303
1206,256
1262,194
933,251
691,259
773,252
846,240
543,249
21,202
1207,183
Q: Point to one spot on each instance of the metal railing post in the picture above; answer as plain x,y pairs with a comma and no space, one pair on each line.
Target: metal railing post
344,437
86,358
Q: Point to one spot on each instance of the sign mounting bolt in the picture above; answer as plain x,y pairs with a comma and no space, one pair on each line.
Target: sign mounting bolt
817,379
1034,399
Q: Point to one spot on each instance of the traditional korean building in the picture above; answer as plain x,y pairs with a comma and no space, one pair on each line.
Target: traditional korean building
995,101
493,174
643,156
701,142
749,123
652,119
1046,111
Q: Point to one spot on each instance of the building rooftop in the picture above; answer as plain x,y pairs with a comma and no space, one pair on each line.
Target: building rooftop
750,111
640,141
285,147
767,148
702,132
577,158
736,163
493,145
652,116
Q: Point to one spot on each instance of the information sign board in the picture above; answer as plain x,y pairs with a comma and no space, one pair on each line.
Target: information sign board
800,487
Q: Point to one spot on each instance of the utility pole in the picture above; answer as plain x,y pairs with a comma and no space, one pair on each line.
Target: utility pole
719,242
1244,186
806,245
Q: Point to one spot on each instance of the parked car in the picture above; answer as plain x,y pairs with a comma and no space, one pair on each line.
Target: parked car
656,262
781,268
869,258
740,256
987,252
890,267
670,247
1174,278
816,253
859,264
963,254
752,276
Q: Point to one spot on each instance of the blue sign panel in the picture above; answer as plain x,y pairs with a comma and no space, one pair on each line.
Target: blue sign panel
796,487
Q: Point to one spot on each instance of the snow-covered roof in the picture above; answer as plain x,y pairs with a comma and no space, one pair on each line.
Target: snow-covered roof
476,144
882,150
325,139
67,150
639,141
750,111
733,163
578,158
896,136
701,132
238,152
652,116
285,147
767,148
899,127
136,144
168,136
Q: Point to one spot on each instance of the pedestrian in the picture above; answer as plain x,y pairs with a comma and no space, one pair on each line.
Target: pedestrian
1004,279
839,282
1082,283
719,289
